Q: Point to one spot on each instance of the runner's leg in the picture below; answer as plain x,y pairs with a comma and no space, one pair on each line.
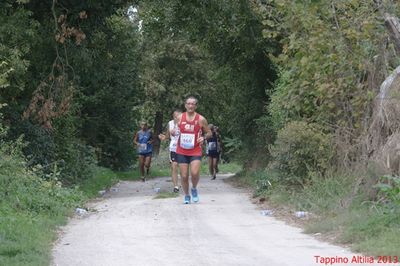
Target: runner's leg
210,166
147,164
141,166
174,173
184,169
215,166
218,160
195,172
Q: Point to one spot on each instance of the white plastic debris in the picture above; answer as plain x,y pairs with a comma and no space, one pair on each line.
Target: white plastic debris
266,212
301,214
81,211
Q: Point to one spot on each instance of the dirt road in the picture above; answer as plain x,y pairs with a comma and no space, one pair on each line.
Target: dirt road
130,227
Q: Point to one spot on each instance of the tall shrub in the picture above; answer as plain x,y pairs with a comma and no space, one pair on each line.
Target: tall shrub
301,148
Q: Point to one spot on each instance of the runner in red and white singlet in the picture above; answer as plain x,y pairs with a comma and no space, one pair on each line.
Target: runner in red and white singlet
192,126
190,133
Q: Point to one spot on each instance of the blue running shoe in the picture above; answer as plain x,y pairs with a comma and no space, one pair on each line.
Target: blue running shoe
187,199
195,195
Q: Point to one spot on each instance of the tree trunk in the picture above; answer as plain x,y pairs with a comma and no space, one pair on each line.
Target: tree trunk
393,25
157,130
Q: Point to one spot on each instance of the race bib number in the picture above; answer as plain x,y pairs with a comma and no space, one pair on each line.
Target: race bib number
142,147
187,141
212,146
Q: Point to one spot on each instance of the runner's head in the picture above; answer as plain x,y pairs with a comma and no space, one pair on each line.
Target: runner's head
176,114
191,104
211,127
143,125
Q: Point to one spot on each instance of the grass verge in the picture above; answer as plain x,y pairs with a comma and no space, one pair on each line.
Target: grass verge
32,209
224,168
337,211
101,179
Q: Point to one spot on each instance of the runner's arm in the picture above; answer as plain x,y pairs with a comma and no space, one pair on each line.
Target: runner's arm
151,140
173,131
135,139
204,126
164,136
220,143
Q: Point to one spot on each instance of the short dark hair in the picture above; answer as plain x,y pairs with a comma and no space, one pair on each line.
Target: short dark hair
191,97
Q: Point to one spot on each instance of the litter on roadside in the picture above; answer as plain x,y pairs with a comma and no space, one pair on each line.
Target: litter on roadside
300,214
81,211
266,212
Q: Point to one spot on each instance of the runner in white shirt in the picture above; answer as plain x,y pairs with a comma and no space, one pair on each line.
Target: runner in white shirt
173,126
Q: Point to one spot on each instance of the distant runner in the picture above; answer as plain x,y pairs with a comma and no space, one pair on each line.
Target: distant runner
213,151
173,127
192,126
144,140
220,147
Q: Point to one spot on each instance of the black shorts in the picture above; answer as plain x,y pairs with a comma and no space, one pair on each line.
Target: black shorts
187,159
172,156
213,154
149,154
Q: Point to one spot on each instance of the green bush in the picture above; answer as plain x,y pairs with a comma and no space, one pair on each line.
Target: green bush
68,159
21,189
30,207
278,114
389,190
301,148
39,147
77,162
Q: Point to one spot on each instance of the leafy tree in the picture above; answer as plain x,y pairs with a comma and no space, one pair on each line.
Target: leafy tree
66,84
110,90
230,33
333,58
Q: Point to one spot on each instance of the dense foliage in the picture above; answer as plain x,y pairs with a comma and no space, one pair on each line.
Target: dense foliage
236,74
334,56
70,81
78,76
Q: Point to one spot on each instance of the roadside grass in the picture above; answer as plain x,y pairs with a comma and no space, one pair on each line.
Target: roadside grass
243,179
379,246
372,230
337,211
26,240
224,168
367,230
166,195
32,209
102,179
